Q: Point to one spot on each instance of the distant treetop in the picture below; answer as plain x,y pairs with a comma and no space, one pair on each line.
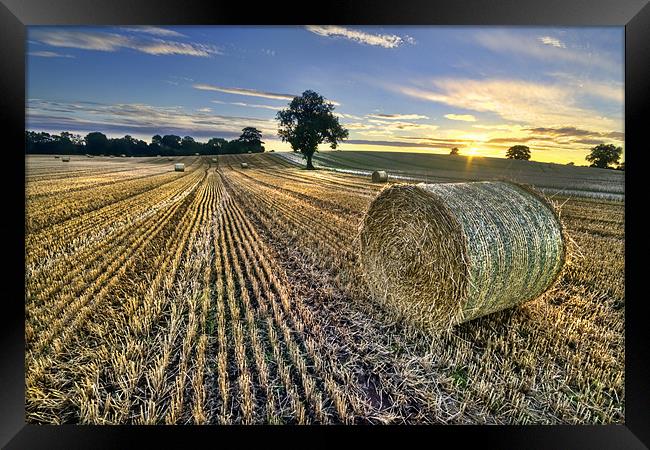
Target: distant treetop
604,155
518,152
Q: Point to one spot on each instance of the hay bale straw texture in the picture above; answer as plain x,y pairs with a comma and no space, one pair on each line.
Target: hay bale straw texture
379,176
244,165
179,167
442,254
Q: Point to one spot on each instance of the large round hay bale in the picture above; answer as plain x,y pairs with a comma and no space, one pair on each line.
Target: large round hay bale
441,254
379,176
65,159
179,167
244,165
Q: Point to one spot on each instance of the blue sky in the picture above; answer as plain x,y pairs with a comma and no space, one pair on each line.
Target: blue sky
482,89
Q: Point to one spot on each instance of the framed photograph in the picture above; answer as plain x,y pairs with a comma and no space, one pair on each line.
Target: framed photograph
387,218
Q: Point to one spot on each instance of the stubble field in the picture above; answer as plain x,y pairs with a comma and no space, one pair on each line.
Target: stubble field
229,295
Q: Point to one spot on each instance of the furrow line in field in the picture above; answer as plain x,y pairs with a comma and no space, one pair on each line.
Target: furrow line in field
295,312
268,301
196,261
63,237
168,314
138,319
74,281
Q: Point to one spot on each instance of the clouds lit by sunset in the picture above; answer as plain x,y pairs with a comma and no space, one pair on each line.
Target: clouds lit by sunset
481,89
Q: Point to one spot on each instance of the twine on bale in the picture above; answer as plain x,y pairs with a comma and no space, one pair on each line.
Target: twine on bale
442,254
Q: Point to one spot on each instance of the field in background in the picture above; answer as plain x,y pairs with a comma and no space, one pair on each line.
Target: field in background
553,179
229,295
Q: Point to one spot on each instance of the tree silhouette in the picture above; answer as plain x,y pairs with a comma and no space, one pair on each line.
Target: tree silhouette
518,152
251,140
603,155
308,122
97,140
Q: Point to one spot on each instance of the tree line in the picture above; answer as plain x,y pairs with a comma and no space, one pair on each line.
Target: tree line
603,156
97,143
307,122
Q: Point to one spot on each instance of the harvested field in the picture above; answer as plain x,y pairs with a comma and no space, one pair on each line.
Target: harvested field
552,179
228,295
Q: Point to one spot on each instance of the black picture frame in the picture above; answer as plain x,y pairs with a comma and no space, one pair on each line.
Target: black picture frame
15,15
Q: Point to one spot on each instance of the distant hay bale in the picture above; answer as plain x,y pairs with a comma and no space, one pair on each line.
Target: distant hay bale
214,160
170,159
179,167
379,176
122,155
56,157
442,254
244,165
65,159
250,151
196,154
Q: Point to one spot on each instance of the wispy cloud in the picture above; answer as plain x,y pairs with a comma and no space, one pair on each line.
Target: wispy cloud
504,41
249,92
390,126
520,101
156,31
46,54
611,90
111,42
577,132
398,116
248,105
553,42
553,138
500,126
415,142
461,117
243,91
381,40
136,118
347,116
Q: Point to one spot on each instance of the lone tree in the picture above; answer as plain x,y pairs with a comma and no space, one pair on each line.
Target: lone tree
518,152
603,155
454,151
309,122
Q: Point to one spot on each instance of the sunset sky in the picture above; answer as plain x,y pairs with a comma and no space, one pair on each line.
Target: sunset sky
482,89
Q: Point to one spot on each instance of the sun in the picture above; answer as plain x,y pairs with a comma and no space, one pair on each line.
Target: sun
473,151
